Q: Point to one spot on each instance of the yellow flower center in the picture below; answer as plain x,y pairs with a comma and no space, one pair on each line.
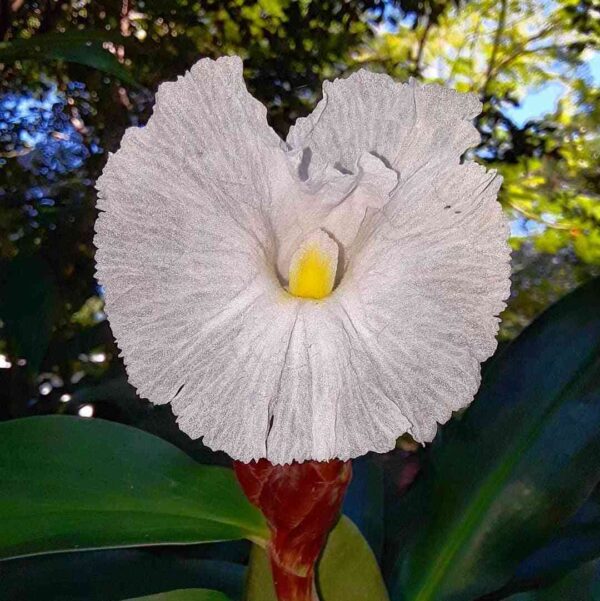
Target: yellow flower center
313,267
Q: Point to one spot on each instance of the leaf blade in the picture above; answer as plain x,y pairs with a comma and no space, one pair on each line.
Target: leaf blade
71,484
530,441
348,569
27,306
83,47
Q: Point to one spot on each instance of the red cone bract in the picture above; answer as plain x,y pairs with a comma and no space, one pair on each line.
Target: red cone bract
301,502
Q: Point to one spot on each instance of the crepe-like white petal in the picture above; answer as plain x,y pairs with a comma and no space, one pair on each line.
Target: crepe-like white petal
202,213
428,274
186,255
397,347
429,318
407,125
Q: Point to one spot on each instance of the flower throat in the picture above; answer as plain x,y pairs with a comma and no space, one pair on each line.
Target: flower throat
313,267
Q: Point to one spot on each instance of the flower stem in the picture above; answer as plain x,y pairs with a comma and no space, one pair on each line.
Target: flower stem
301,502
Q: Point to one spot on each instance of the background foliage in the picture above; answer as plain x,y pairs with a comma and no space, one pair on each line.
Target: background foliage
76,73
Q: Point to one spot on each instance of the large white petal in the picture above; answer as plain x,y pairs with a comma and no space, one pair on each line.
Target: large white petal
186,254
330,402
425,285
397,347
408,125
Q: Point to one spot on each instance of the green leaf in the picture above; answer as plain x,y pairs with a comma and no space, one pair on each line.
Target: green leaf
347,571
404,515
195,594
73,484
84,47
259,582
27,306
117,573
525,456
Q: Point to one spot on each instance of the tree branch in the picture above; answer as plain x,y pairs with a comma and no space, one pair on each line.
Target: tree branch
421,47
539,219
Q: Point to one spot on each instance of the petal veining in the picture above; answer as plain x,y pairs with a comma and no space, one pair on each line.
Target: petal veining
407,125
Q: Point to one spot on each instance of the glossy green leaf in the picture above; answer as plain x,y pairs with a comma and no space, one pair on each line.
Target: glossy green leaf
114,574
196,594
27,305
347,570
84,47
70,483
524,457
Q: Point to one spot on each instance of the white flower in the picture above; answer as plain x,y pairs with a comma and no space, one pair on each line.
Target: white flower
219,246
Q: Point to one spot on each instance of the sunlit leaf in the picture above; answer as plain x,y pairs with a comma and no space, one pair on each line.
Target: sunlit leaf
347,570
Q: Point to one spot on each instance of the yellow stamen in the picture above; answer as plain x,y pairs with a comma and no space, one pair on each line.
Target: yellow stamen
313,267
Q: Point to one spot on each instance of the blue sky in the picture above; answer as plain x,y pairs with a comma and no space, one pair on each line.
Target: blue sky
538,101
544,99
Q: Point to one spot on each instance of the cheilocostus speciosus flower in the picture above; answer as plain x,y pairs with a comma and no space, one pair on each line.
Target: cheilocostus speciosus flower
308,299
